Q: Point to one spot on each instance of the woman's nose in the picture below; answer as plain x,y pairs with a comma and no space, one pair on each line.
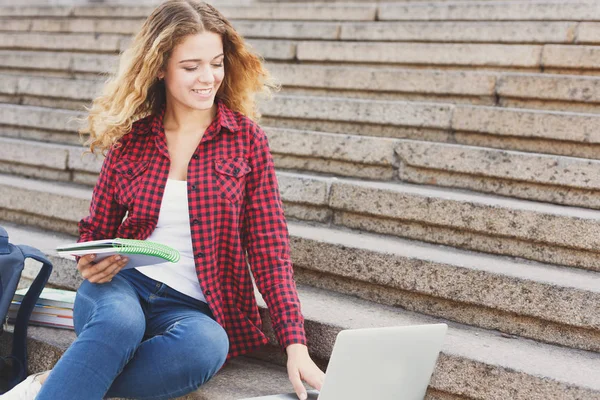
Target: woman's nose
206,77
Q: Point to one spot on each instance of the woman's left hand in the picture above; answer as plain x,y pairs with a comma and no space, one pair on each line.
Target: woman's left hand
300,368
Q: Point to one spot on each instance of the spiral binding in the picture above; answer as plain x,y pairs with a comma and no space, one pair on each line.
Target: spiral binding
134,246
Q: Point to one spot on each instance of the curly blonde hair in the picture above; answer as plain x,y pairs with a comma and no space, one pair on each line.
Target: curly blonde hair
135,91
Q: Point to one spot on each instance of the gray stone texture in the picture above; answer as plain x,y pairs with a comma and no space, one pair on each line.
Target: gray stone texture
313,12
575,57
274,49
564,126
288,29
521,56
61,41
550,87
470,32
353,149
588,33
35,154
38,117
491,11
363,111
562,226
538,168
468,83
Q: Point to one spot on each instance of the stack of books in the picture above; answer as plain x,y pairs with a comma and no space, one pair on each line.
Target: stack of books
54,308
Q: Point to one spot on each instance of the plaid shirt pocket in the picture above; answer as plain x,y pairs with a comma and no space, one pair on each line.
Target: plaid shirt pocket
230,177
128,174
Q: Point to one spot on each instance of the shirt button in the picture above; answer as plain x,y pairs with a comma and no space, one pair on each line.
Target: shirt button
196,222
129,171
193,187
236,171
207,293
195,156
199,254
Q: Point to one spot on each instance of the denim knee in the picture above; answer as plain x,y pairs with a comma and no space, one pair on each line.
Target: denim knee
206,348
111,313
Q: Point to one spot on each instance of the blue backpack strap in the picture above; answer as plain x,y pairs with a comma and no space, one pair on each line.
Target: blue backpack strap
19,349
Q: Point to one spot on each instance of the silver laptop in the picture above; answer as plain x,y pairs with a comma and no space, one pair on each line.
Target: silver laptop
379,363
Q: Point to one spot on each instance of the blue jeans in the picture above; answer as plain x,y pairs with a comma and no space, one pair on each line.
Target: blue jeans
137,338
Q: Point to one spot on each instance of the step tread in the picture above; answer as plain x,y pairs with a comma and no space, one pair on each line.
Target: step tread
522,269
240,377
584,280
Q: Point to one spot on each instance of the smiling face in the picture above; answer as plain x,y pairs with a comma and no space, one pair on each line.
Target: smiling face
195,71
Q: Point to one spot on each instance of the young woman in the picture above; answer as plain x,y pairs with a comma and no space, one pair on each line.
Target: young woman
187,166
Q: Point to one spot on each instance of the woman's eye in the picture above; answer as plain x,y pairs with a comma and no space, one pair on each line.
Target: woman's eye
191,69
218,65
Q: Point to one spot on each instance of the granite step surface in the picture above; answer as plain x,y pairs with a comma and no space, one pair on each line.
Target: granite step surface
549,304
526,57
547,178
474,363
537,231
550,132
513,90
240,378
439,31
311,12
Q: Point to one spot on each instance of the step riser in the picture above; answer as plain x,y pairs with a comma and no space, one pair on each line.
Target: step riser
475,315
396,275
479,380
467,367
568,181
562,93
449,55
555,239
313,266
505,32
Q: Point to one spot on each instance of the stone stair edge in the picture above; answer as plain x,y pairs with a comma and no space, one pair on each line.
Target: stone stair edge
377,317
504,84
542,169
465,340
493,55
421,31
566,233
401,255
504,122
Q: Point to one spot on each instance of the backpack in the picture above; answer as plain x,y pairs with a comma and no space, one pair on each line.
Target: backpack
12,262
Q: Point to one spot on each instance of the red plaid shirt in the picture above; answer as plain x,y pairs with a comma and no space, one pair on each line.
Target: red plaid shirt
235,209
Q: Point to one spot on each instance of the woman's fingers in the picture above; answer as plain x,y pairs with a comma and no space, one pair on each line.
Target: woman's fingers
102,271
85,261
294,375
315,378
108,273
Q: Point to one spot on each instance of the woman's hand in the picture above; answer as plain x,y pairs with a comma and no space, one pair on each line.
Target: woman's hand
300,368
103,271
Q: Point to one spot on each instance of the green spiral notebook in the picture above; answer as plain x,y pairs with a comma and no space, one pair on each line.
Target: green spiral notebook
139,252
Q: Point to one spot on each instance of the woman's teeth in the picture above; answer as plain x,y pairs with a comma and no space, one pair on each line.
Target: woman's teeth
202,91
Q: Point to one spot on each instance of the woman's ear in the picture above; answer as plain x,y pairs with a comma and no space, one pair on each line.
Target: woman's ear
160,75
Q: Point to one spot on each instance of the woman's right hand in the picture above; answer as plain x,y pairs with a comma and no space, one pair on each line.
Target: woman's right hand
102,271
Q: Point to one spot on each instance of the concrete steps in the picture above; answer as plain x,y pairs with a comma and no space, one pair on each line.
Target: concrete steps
542,232
550,132
239,378
513,90
457,97
475,363
443,31
548,178
523,57
553,304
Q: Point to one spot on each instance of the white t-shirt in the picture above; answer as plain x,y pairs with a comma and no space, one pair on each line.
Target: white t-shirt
173,229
